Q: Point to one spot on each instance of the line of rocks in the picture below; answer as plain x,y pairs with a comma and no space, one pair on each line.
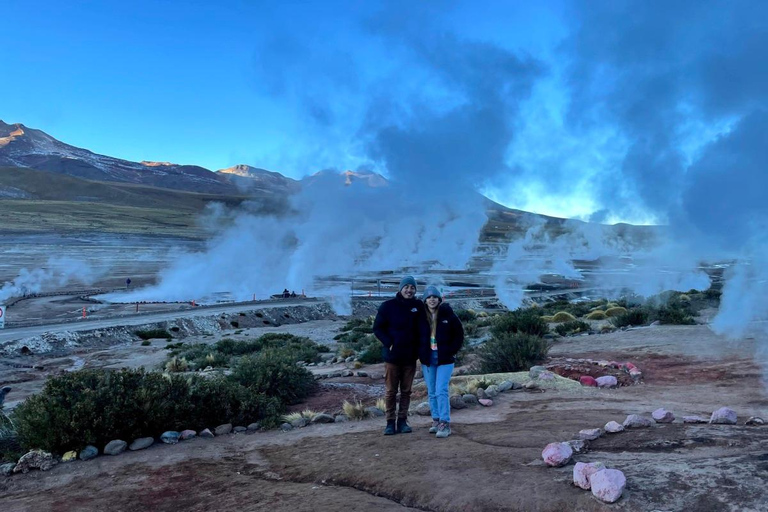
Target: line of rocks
42,460
608,484
483,397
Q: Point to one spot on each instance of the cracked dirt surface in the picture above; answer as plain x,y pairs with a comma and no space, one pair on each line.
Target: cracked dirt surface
492,462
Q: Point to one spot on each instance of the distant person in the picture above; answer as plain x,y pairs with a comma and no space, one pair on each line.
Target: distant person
399,326
293,295
437,353
286,293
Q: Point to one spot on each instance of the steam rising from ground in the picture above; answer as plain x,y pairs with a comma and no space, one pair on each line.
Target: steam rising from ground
58,272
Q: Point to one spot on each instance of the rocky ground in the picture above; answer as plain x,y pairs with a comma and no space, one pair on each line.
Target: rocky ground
491,462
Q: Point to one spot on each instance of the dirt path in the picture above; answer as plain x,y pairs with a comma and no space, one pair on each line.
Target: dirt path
491,462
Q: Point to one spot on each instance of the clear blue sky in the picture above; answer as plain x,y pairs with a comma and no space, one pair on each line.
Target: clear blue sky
301,86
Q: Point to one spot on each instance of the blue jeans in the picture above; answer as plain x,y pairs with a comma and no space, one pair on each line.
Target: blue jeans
438,378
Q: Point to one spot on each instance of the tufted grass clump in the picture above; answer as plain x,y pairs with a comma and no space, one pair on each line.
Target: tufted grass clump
597,314
355,411
633,317
563,316
573,327
615,311
176,364
524,321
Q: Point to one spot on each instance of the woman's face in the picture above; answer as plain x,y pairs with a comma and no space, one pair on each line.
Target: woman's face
432,302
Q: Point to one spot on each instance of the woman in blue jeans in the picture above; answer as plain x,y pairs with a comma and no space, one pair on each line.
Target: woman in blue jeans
437,353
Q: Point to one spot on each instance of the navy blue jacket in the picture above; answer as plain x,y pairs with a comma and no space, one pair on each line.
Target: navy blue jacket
399,325
449,335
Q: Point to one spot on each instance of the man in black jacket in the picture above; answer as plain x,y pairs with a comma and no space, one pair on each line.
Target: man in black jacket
398,327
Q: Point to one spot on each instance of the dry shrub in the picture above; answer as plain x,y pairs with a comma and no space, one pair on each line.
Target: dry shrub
381,404
615,311
563,316
176,365
597,315
548,318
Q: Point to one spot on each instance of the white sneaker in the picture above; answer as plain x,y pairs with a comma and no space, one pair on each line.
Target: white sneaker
433,428
443,429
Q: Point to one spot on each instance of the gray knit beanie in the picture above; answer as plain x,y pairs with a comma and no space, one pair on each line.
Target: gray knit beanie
432,291
405,281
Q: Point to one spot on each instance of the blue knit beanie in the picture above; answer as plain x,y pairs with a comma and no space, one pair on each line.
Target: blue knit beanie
405,281
432,291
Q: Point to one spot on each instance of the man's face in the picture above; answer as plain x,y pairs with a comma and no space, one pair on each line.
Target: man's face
408,291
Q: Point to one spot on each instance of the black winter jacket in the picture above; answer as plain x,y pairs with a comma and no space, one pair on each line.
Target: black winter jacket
449,335
399,328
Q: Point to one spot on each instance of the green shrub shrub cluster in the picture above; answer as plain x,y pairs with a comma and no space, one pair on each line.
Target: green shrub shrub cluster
466,315
97,406
525,321
634,316
226,352
511,352
10,447
573,327
371,353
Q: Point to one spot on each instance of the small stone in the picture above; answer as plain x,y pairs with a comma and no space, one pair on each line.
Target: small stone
334,375
223,429
206,434
169,437
253,427
7,469
607,381
362,374
516,385
341,418
603,363
663,416
588,380
374,411
349,359
187,434
285,427
347,373
469,399
582,473
423,409
115,447
535,371
637,421
239,429
457,402
485,402
141,443
505,385
418,375
492,391
208,369
557,454
89,452
69,456
300,422
694,419
723,416
323,418
36,459
754,420
578,445
636,374
608,485
590,434
530,385
613,427
480,393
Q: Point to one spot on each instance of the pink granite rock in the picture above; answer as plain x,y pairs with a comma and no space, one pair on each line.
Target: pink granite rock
608,485
662,415
582,473
637,421
588,380
612,427
187,434
723,416
485,402
607,381
557,454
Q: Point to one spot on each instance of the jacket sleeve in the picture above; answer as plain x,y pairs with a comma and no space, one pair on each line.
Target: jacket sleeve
380,327
457,331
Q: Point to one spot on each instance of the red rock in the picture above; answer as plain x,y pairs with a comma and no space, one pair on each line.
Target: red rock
608,485
557,454
587,380
485,402
629,366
